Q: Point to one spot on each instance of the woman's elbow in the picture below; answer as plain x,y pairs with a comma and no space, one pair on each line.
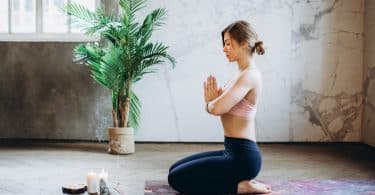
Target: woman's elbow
218,111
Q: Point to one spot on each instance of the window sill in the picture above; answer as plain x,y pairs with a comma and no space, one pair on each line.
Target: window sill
46,37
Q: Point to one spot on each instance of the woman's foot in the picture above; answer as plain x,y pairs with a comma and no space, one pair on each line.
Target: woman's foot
253,186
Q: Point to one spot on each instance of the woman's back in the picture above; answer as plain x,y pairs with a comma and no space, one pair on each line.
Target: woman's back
240,120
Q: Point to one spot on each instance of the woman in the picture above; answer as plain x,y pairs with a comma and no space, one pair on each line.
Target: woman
231,170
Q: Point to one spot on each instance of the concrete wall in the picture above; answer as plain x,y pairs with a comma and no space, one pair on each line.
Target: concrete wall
44,94
368,135
312,71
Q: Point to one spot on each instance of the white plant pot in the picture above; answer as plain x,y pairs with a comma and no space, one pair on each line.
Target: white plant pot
121,140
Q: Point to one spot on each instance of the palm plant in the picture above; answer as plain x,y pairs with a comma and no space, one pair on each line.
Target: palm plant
124,55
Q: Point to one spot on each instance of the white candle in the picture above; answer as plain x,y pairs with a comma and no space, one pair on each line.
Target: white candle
92,182
104,175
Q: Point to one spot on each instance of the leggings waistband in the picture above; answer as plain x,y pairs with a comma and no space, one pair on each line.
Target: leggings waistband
239,144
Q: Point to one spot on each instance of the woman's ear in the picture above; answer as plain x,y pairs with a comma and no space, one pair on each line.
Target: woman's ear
245,45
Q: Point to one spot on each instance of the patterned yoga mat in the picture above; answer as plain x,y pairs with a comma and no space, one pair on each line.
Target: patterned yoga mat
289,187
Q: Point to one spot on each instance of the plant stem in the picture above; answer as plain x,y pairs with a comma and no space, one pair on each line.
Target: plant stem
114,118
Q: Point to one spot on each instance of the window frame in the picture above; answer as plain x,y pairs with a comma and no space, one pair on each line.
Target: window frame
39,35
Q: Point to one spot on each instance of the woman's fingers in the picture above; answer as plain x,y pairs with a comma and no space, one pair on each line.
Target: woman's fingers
210,82
220,91
211,89
214,84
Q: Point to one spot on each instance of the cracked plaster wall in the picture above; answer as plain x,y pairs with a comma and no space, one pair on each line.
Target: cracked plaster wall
326,73
312,74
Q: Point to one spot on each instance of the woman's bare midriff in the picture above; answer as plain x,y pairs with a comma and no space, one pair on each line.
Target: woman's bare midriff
238,127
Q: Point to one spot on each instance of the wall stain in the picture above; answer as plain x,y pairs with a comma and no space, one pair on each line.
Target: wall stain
305,31
366,87
347,109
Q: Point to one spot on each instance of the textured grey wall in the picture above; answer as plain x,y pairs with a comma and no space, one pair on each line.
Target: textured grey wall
44,94
368,134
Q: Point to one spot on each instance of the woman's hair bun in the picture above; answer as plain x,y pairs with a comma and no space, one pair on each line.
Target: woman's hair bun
259,47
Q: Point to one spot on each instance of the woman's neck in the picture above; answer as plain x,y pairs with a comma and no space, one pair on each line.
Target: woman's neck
244,63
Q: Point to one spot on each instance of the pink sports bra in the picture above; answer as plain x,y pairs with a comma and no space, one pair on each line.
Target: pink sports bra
243,108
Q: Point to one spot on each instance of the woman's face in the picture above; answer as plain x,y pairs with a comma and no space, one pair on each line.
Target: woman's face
231,48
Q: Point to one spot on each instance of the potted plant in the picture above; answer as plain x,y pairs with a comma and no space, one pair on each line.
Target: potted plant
122,57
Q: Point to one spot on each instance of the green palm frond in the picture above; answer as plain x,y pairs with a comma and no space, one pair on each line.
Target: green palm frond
129,8
84,52
104,65
154,19
158,50
135,111
89,21
153,54
141,73
112,69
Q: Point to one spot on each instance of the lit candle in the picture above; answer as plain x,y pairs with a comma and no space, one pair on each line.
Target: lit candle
92,182
104,175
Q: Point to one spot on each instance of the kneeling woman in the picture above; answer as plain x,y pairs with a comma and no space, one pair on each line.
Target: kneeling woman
231,170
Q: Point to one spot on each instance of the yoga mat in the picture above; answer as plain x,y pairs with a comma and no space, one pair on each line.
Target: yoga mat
289,187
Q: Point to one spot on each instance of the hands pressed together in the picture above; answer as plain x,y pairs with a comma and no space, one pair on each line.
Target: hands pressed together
211,89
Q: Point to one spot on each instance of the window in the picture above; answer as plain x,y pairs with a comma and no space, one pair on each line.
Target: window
53,20
4,16
23,16
39,20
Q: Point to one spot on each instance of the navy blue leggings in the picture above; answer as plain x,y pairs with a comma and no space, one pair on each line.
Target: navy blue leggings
217,172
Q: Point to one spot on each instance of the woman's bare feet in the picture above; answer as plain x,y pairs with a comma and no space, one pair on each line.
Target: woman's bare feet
247,186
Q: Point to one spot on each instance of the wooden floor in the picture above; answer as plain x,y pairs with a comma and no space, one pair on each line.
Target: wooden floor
43,167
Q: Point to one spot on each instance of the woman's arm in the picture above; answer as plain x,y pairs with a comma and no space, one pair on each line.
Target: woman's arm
235,93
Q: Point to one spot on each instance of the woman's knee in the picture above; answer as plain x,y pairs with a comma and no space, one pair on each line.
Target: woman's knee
170,168
173,180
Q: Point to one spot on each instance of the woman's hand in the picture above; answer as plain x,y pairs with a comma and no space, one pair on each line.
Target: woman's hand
211,90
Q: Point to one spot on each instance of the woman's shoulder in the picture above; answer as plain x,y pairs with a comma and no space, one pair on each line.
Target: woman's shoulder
251,76
252,73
